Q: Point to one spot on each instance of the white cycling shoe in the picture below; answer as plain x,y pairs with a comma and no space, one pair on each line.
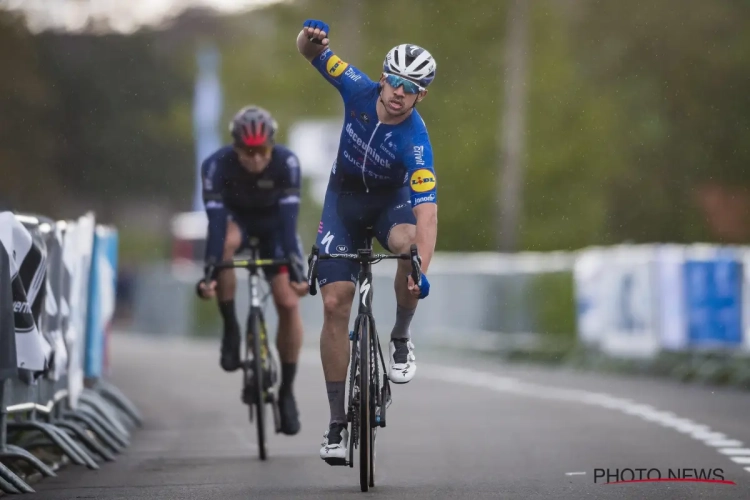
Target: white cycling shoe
335,441
402,357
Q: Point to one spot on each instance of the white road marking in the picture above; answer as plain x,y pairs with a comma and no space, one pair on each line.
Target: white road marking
699,432
724,443
735,451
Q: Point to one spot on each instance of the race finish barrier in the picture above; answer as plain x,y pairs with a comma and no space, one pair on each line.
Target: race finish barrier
636,301
57,296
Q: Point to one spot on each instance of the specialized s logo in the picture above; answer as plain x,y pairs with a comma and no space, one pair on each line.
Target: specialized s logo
364,289
335,66
422,180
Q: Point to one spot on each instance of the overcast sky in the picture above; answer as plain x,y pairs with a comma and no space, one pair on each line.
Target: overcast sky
124,15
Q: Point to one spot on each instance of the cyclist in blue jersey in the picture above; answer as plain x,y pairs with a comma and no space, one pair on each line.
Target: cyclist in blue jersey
252,188
383,177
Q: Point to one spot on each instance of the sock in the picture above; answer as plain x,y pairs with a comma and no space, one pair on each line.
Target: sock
288,371
403,319
336,401
227,313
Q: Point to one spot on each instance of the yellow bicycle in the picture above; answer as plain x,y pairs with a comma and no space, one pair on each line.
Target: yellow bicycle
260,365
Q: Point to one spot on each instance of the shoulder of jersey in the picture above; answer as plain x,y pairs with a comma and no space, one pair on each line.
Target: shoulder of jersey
224,153
417,122
285,156
219,156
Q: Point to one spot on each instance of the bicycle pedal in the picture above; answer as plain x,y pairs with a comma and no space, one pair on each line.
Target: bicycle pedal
336,461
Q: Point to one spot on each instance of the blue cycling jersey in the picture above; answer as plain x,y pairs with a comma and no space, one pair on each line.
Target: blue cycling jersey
265,203
374,156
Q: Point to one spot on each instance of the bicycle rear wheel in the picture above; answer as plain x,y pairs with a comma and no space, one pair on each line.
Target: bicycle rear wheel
365,428
256,329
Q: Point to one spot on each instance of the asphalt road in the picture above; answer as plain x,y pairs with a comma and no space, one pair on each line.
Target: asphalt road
465,428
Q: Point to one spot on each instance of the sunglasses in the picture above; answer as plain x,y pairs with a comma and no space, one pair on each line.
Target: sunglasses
409,86
254,150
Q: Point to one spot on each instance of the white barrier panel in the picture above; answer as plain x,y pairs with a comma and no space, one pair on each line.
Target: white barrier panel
8,362
617,303
54,303
79,240
635,300
26,267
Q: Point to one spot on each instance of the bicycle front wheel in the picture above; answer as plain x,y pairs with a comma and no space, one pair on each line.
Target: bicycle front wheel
365,435
257,331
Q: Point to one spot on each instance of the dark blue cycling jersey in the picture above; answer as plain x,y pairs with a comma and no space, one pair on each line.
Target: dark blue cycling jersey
373,156
264,205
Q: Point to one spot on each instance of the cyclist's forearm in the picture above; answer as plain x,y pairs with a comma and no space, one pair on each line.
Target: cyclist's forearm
426,238
217,228
289,213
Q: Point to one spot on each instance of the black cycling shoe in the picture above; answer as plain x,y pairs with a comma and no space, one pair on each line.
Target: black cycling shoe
230,351
289,413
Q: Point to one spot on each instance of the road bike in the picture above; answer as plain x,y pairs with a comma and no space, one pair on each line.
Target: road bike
365,385
261,372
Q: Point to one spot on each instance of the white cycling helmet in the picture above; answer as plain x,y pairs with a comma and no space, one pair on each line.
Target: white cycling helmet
412,62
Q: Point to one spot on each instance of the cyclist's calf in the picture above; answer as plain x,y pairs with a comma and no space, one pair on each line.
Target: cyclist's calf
334,339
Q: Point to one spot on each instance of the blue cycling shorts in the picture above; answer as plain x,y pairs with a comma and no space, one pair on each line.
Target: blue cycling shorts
269,240
344,222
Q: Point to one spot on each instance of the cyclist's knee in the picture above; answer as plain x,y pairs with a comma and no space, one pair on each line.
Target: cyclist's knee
337,299
401,237
286,300
233,240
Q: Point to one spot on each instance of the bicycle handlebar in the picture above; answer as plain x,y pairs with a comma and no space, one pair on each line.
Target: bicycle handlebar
362,256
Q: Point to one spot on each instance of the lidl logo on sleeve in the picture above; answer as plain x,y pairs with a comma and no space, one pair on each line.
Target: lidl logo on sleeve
335,66
422,180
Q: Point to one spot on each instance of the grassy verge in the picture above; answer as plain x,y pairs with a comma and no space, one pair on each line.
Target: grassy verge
708,368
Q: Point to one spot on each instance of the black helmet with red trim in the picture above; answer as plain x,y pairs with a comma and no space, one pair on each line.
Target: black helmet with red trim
253,126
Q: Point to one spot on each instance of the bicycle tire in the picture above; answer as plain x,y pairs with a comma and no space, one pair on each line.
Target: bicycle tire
353,408
260,422
373,399
364,405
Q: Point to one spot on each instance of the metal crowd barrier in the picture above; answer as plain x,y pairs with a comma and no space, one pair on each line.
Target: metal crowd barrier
57,294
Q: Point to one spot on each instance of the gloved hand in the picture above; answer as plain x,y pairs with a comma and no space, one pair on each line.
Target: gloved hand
317,31
205,290
423,285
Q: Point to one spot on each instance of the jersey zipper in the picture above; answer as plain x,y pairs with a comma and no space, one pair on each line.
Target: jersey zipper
367,150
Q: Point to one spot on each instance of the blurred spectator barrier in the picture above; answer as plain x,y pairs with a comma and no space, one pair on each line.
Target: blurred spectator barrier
626,301
638,301
57,286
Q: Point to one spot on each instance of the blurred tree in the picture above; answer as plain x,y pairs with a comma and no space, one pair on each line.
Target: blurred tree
28,138
637,120
679,76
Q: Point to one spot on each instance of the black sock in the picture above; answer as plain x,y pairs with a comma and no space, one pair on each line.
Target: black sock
226,308
336,401
288,371
403,320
